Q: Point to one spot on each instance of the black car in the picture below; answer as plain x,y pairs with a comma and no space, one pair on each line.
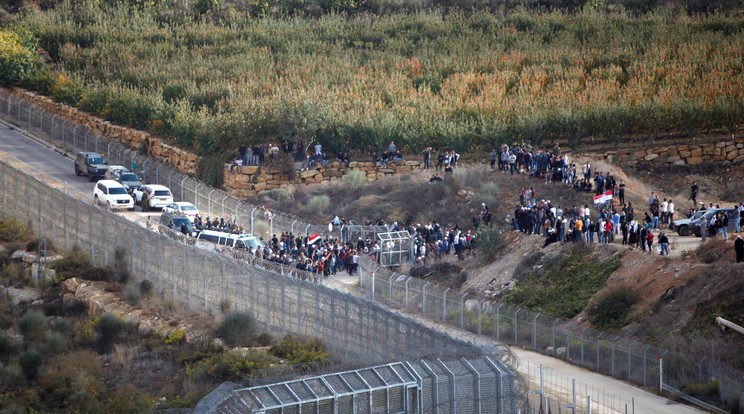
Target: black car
174,221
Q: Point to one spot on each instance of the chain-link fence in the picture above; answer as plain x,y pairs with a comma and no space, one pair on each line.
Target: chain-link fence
609,354
72,137
352,327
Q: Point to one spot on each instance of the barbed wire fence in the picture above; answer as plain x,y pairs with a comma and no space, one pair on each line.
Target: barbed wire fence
609,354
353,328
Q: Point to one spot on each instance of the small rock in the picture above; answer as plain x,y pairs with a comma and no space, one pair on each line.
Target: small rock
472,305
17,255
561,351
28,257
71,285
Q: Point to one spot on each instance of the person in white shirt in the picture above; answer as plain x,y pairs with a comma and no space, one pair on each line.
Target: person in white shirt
664,211
670,211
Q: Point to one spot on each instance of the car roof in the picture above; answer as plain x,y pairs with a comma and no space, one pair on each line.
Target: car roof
117,167
157,187
110,183
183,203
91,154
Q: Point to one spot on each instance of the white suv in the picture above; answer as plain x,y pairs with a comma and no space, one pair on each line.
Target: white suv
112,195
153,196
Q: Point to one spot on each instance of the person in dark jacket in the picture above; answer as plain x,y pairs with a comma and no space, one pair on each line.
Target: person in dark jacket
739,248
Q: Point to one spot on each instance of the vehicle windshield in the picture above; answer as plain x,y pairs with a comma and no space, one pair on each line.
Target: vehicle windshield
129,177
162,193
117,190
188,208
95,161
178,221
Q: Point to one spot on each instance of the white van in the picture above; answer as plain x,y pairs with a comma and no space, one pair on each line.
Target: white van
112,194
210,238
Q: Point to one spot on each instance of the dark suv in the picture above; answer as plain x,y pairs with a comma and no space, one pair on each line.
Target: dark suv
91,165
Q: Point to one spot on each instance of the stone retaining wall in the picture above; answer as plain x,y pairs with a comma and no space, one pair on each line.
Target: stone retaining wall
183,160
731,151
253,179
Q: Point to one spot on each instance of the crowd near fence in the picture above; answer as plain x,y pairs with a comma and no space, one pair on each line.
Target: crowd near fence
73,137
609,354
353,328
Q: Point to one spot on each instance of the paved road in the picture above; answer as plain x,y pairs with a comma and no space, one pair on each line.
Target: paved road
38,155
42,158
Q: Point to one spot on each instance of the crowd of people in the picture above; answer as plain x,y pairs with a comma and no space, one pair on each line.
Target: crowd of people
614,220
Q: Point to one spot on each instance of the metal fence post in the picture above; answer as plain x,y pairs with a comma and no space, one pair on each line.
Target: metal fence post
423,301
74,138
598,337
52,123
480,318
209,202
223,204
157,175
63,133
407,280
444,305
645,363
85,141
462,311
534,332
516,339
182,186
498,321
291,227
582,345
254,209
554,322
629,359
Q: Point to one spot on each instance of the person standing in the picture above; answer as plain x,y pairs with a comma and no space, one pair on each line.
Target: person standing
670,212
664,244
693,193
493,155
664,211
427,158
621,192
723,226
739,248
703,228
650,241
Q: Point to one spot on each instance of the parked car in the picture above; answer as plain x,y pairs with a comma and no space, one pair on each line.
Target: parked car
113,195
182,207
124,176
90,164
210,238
685,227
175,221
153,196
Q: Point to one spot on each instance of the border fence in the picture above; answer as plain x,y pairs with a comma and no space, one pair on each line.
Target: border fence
609,354
353,327
73,137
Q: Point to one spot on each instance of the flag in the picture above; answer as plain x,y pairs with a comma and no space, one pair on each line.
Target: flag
603,199
313,239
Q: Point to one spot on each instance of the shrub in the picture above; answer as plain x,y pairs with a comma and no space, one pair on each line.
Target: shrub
16,272
54,343
132,294
296,350
318,204
9,346
32,326
73,381
109,328
16,60
488,193
33,245
146,288
74,262
354,180
84,331
490,242
703,390
230,366
12,230
128,400
30,361
238,329
611,310
176,337
226,307
121,264
11,375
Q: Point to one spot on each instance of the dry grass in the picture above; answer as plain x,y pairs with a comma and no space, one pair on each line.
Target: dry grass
123,354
